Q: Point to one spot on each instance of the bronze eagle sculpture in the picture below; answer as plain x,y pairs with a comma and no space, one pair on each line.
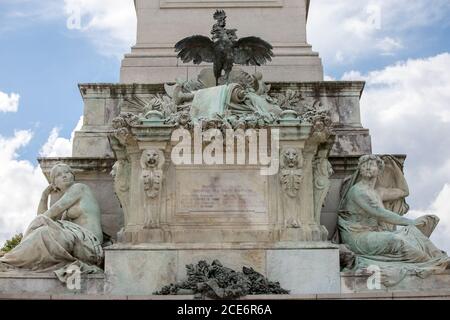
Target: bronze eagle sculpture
224,49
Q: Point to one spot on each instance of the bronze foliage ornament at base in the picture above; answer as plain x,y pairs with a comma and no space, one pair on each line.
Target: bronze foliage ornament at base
214,281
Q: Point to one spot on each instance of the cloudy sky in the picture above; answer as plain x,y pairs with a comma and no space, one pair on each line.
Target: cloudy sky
401,48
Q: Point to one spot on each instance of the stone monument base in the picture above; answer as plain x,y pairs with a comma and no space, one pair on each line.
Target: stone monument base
45,286
26,283
357,283
302,268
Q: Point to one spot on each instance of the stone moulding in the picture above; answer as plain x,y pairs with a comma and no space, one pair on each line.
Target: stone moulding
345,166
79,165
183,4
317,88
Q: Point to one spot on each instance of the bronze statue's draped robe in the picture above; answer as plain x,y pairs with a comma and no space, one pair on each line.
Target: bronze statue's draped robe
397,253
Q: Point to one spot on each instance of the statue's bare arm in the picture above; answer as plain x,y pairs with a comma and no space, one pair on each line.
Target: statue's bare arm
43,204
71,197
372,208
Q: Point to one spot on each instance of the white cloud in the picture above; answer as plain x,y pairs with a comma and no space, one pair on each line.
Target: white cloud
21,182
9,102
111,24
416,88
368,28
57,146
353,76
388,46
406,108
441,208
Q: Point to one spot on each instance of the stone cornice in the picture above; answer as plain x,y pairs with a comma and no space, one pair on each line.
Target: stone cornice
341,165
78,165
321,88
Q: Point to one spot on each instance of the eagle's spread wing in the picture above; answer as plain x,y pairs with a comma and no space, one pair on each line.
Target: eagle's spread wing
196,48
252,51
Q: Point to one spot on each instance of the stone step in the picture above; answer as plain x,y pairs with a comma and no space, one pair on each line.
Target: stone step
419,295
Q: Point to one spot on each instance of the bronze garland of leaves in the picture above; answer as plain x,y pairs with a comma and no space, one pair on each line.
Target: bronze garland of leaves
215,281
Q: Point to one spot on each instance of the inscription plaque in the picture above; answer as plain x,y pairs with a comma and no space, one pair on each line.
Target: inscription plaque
226,191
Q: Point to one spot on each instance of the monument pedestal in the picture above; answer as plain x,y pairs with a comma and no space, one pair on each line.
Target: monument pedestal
352,282
302,268
23,284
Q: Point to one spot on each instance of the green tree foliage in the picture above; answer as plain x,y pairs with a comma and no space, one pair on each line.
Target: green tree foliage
11,244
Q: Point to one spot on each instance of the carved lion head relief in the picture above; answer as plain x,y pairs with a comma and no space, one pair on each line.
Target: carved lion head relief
152,159
291,158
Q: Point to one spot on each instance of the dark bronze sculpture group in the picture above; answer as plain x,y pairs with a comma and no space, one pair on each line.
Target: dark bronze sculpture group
215,281
224,49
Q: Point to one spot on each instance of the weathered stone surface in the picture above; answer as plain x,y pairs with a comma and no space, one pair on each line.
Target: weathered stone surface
352,282
94,112
139,272
92,144
311,269
305,271
230,191
29,284
352,142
